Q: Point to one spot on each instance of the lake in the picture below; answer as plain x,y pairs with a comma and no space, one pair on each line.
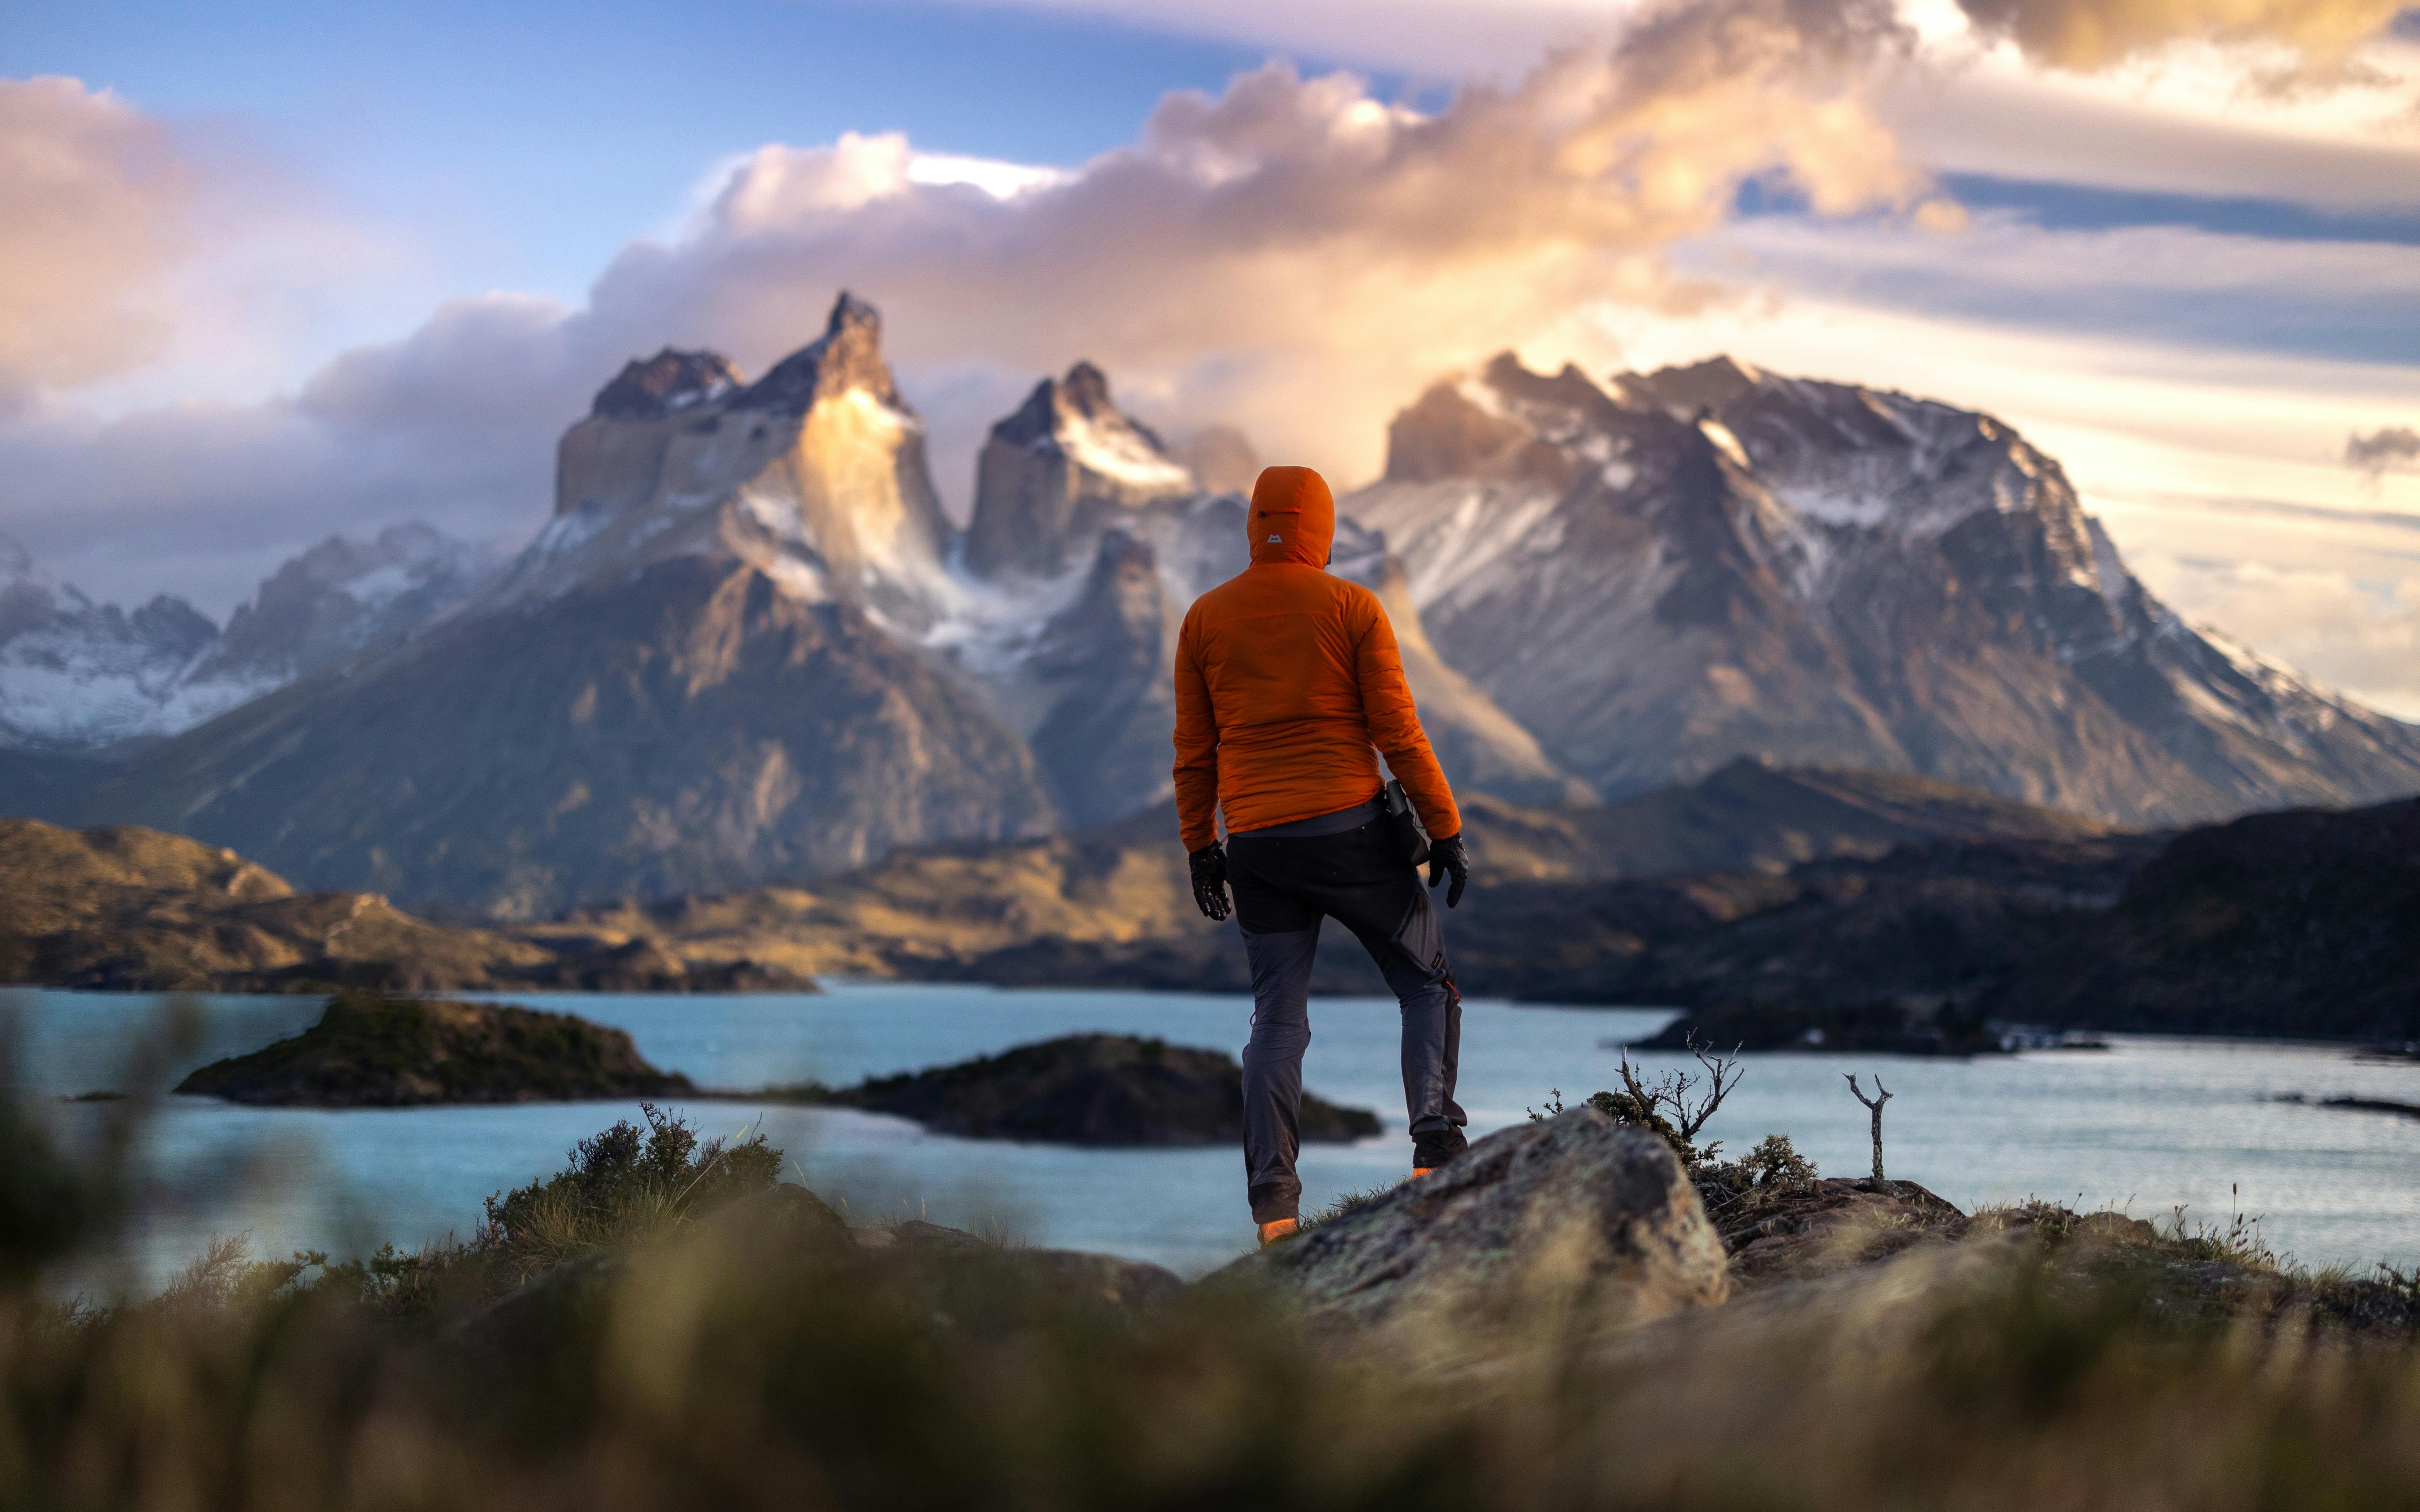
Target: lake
2146,1126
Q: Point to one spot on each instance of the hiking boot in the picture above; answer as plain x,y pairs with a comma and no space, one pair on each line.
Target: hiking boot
1419,1171
1278,1228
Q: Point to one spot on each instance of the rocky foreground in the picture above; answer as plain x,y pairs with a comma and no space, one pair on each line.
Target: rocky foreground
1566,1235
1566,1316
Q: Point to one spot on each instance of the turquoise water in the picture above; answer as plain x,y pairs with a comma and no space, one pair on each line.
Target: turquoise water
2149,1125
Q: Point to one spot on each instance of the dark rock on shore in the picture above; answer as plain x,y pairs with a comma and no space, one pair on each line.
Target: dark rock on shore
1576,1218
2302,924
2355,1104
1912,1028
372,1051
1094,1090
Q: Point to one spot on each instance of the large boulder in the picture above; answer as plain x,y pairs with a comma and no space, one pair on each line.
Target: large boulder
1572,1224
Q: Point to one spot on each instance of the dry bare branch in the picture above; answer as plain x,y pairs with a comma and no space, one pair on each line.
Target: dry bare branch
1876,1104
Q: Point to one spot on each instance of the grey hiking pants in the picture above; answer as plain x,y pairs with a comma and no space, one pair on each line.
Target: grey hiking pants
1285,886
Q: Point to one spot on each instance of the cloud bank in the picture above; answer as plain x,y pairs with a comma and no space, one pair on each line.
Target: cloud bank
2090,34
98,203
1295,254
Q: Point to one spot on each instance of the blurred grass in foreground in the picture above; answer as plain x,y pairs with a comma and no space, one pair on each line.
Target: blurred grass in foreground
710,1364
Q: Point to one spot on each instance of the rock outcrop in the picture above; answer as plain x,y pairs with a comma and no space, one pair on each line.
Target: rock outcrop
369,1050
1052,475
133,910
1094,1090
1568,1225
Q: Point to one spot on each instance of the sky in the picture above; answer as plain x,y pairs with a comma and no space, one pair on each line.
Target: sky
275,271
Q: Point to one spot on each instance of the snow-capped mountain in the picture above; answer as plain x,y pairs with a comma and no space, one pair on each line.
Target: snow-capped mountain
76,676
340,598
726,659
1661,574
748,647
1102,538
813,474
1052,474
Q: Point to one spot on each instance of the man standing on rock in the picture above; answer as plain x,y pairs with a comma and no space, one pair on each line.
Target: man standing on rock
1288,687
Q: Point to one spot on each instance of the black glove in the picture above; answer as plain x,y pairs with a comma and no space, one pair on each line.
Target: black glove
1446,857
1210,880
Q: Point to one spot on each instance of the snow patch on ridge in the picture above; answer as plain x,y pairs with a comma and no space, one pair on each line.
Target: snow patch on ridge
1117,452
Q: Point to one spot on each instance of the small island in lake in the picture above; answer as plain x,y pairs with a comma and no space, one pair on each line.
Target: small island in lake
1090,1090
369,1050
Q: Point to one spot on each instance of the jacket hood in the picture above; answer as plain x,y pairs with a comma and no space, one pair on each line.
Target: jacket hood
1293,517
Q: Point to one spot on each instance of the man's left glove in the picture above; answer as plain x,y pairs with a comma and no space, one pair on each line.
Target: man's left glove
1210,880
1446,859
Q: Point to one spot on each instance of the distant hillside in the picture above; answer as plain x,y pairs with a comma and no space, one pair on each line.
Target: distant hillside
1749,816
132,909
1113,903
2303,923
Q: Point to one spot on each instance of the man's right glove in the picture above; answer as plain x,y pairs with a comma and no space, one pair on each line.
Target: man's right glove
1210,880
1446,857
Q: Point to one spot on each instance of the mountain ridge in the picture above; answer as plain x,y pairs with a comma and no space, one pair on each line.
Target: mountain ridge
1818,572
748,647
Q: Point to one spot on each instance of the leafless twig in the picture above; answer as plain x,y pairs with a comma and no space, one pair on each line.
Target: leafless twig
1876,1104
1676,1092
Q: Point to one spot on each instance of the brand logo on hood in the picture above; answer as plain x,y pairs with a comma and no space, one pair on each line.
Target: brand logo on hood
1298,497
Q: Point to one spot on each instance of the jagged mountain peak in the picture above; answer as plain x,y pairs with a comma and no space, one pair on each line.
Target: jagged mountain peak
1076,415
814,476
1085,389
848,355
1053,474
1687,392
75,674
669,381
1467,428
341,597
1678,567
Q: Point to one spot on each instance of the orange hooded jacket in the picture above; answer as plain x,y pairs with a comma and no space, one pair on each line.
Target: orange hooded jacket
1286,678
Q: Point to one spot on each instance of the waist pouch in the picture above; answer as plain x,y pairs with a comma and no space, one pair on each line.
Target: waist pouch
1411,838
